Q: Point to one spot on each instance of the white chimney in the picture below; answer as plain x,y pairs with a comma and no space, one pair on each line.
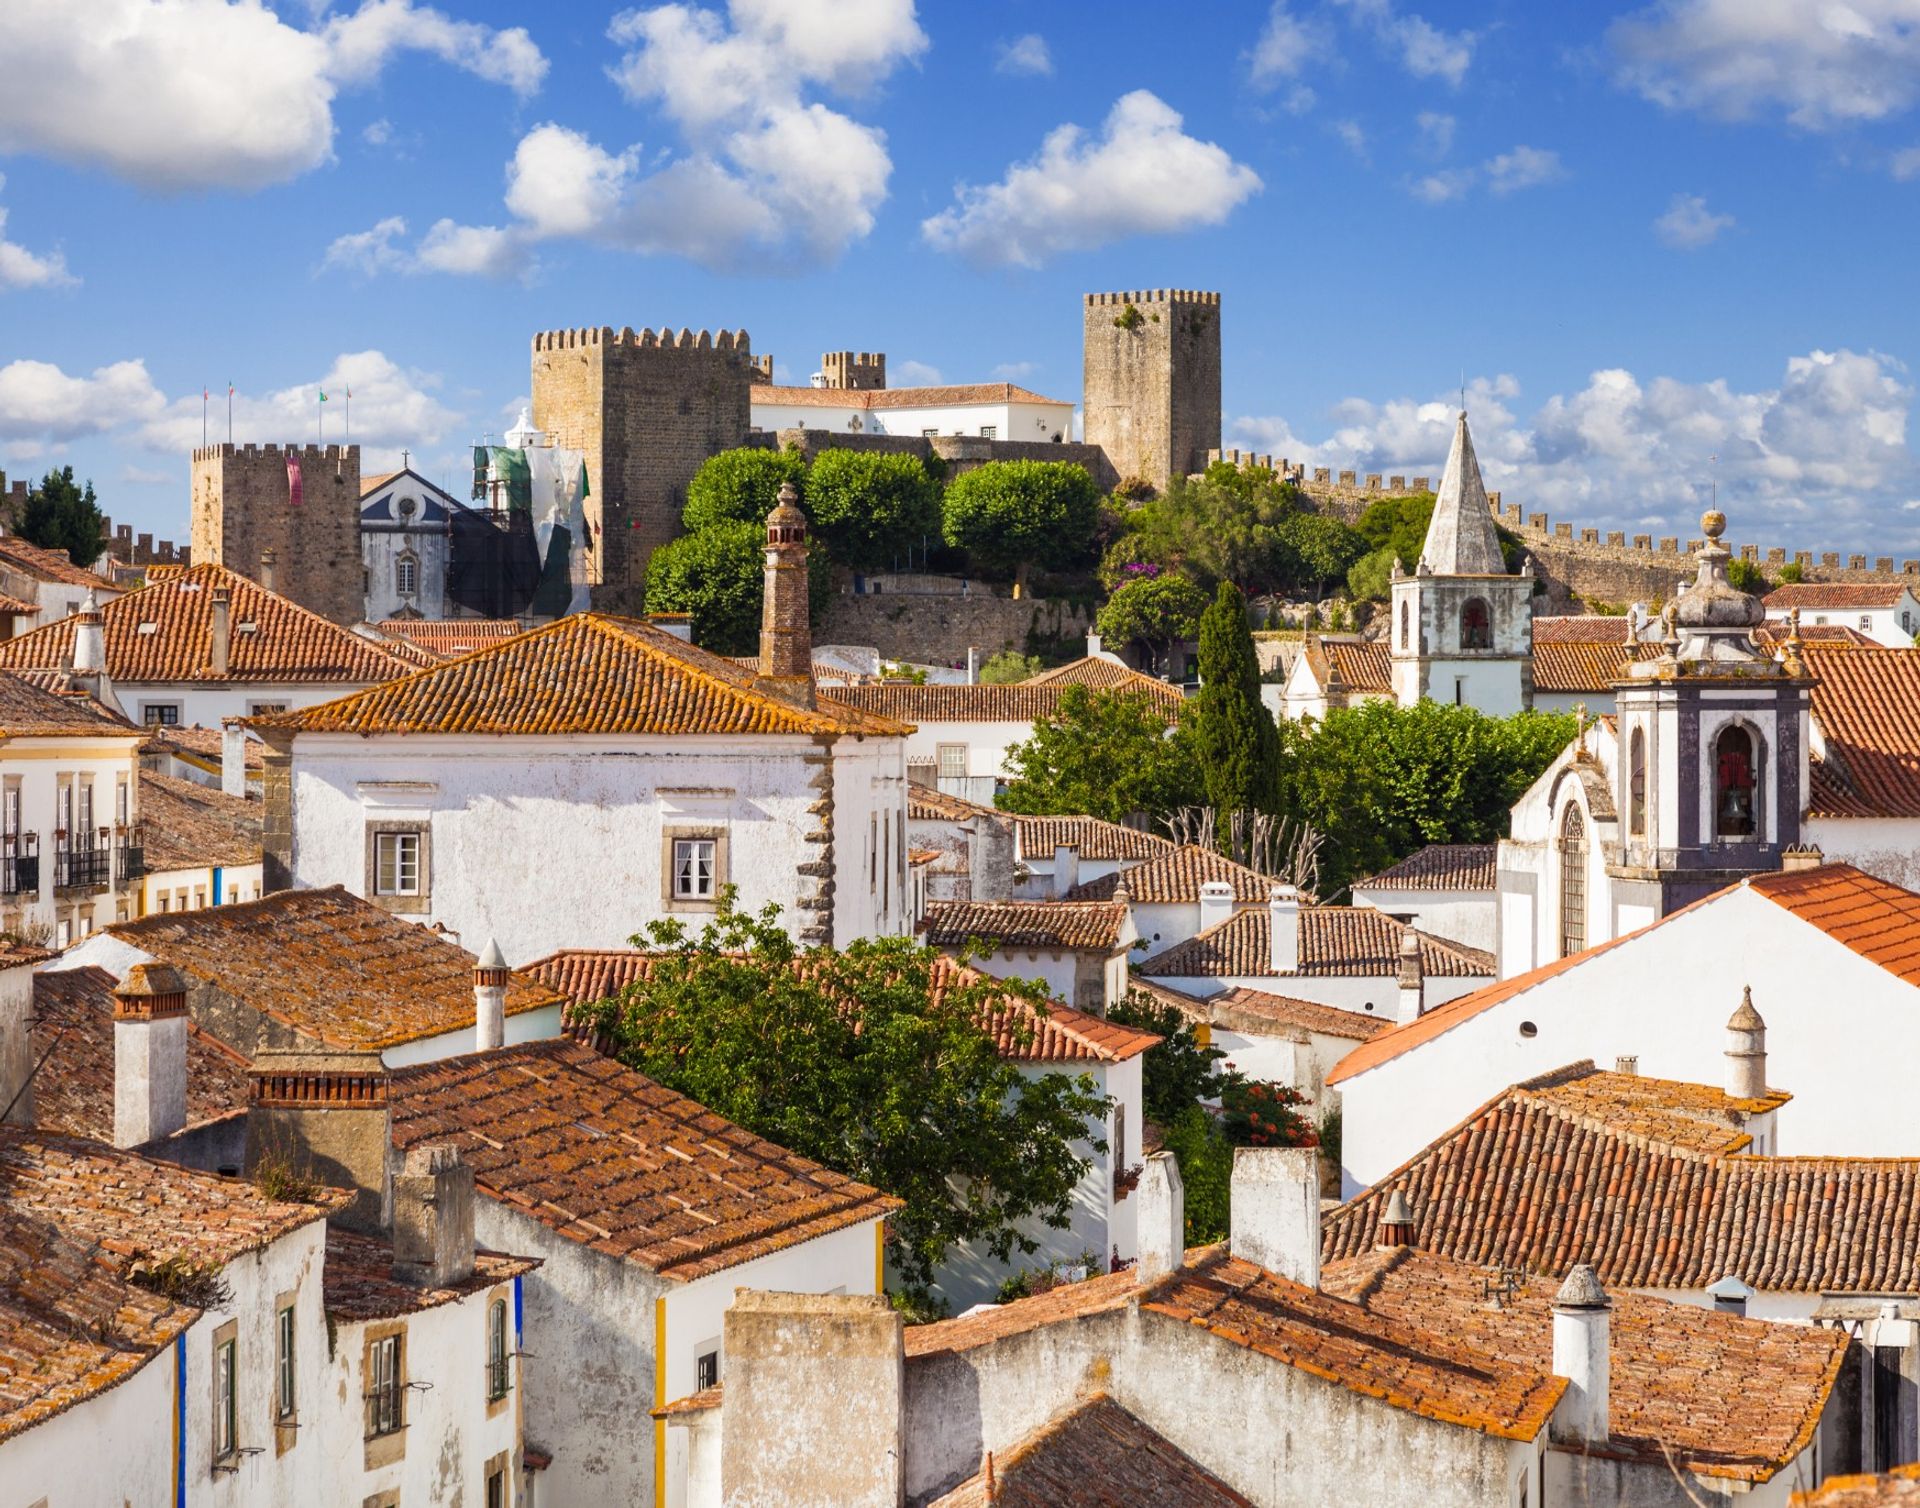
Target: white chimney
1283,923
1746,1051
89,637
1412,978
490,999
1582,1353
233,757
149,1055
16,1043
1216,903
1275,1210
680,625
1066,869
1729,1294
1093,646
973,666
1161,1217
222,644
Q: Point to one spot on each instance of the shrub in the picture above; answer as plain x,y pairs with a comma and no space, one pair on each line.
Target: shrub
1013,515
869,507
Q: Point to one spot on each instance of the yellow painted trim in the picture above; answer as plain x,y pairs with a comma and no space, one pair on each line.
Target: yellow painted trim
879,1256
659,1399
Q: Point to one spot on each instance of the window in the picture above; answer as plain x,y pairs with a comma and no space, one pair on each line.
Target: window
1733,783
1906,622
160,714
1476,624
706,1370
225,1410
1637,784
199,897
283,1364
1405,641
260,709
84,832
160,900
497,1488
122,802
1573,882
396,863
693,869
13,807
497,1349
384,1414
1866,622
950,761
406,575
989,431
928,434
66,811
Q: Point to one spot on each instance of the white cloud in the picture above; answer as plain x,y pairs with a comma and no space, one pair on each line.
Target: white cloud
1423,49
561,184
20,268
377,133
178,95
150,476
1689,225
1028,55
1906,164
1435,132
1523,168
366,252
1823,65
1819,459
1015,371
38,401
914,374
466,250
1351,137
1285,46
1439,188
1142,175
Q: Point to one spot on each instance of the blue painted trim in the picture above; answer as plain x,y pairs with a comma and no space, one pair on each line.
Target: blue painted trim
180,1420
518,1326
216,884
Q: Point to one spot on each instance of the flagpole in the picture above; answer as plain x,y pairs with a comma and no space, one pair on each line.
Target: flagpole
229,412
347,438
204,393
320,417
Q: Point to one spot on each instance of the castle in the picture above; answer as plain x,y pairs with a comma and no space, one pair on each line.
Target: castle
299,502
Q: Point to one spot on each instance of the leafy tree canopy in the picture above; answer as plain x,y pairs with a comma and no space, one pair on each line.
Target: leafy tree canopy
1009,666
62,515
1177,1073
740,486
854,1059
1108,754
1011,515
870,506
1156,612
1395,528
1234,734
717,575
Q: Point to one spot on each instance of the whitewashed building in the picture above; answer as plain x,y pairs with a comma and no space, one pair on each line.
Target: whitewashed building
1077,949
1887,612
46,583
986,410
201,847
1448,889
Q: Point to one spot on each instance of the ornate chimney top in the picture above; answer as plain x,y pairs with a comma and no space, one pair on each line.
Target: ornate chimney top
786,640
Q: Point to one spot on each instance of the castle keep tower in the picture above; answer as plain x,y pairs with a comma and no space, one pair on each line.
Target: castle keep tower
646,409
302,502
1151,382
859,370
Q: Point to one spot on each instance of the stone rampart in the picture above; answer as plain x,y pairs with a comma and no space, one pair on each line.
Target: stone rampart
937,630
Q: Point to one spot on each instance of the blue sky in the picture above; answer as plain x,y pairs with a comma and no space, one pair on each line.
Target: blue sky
1665,243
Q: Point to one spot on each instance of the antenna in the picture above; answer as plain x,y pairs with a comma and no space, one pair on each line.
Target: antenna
1463,390
1713,483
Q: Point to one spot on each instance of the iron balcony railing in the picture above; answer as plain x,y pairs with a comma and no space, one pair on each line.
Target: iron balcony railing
76,868
129,856
20,864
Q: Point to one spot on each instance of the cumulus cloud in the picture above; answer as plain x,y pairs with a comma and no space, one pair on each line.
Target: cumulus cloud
1142,175
1352,137
914,374
1287,44
38,401
177,95
468,250
1508,173
1689,225
1423,49
20,268
1028,56
1819,459
1822,65
1906,164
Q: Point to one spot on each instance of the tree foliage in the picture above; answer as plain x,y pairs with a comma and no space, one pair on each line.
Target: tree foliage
1109,754
1395,528
1745,576
854,1059
717,575
1009,667
740,486
1154,612
1234,735
871,506
1177,1073
62,515
1010,515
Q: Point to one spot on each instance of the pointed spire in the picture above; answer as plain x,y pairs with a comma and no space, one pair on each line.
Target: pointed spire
1461,540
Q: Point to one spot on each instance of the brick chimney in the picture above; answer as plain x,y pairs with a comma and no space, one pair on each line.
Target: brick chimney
1582,1353
16,1043
222,631
89,637
149,1055
1746,1051
786,641
1412,978
1274,1217
490,999
1216,903
325,1116
1161,1213
433,1217
1283,922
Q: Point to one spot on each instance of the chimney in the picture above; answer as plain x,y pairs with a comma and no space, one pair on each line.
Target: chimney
1093,646
16,1043
1582,1354
1274,1210
149,1055
89,637
1627,1065
786,1435
1216,903
973,665
1729,1295
1412,979
1283,922
1162,1218
266,569
1746,1051
680,625
786,641
490,999
433,1217
1066,869
324,1116
1801,856
1396,1225
233,757
222,631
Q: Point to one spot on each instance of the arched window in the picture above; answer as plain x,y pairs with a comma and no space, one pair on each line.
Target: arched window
1405,641
1735,772
406,575
1573,882
1637,784
1476,624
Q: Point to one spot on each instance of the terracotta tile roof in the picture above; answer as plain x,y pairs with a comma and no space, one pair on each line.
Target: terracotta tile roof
202,746
16,607
1582,665
773,395
164,633
1019,703
451,636
1070,1301
1174,877
1038,837
918,856
413,656
335,968
1652,1197
824,674
1581,628
30,711
1876,919
372,484
187,825
1899,1488
1867,705
1063,1035
1772,634
614,1161
1861,595
1364,667
927,804
46,565
1103,674
1261,1013
693,1403
1073,926
359,1284
73,1033
1094,1456
1335,942
585,673
1441,866
1733,1399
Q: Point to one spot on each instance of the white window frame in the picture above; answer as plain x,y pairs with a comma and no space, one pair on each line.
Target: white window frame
942,754
406,574
989,431
284,1372
226,1410
397,863
696,869
160,714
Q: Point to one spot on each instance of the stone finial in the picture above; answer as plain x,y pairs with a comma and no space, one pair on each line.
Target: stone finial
1582,1290
1745,1018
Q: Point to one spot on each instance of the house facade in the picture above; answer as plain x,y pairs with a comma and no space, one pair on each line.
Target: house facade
1888,613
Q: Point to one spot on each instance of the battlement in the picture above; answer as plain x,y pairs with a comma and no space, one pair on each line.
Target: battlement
1323,484
124,547
1153,296
304,453
859,370
1670,552
606,335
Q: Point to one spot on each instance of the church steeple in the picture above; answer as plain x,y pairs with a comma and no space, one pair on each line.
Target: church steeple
1461,540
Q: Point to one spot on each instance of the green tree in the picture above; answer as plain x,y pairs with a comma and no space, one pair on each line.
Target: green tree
1745,576
1792,573
1010,666
1155,612
717,575
1318,551
871,507
1226,526
1179,1072
1195,1138
740,486
1109,754
61,515
854,1059
1013,515
1234,735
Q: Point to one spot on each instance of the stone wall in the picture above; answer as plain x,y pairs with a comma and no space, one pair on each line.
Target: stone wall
1151,384
13,502
242,507
937,630
124,547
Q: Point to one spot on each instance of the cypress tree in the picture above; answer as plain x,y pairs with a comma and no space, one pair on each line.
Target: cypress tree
1234,734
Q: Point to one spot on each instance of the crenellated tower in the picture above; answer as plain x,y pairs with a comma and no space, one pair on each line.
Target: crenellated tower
1152,380
302,502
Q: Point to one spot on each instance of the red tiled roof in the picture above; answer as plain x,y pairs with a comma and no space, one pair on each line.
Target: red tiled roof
1867,705
359,1284
202,746
1863,595
1102,673
1261,1013
1583,665
585,673
927,804
1335,942
610,1159
1038,837
28,710
1898,1488
450,636
1440,866
1581,628
1874,918
186,825
776,396
47,565
16,607
1174,877
1019,703
1095,1455
1073,926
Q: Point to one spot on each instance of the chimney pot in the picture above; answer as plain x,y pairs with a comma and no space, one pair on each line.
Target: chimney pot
233,757
1582,1353
490,999
1275,1210
1396,1224
267,562
222,630
1162,1216
1746,1051
149,1055
1066,869
1412,976
1216,904
89,637
1283,920
1729,1294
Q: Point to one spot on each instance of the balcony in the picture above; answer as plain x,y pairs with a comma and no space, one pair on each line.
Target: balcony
20,865
129,857
82,868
